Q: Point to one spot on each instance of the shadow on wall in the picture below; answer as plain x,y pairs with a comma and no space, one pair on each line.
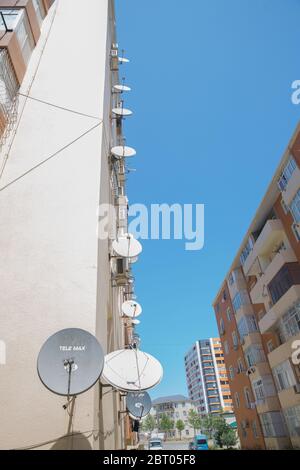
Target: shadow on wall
77,441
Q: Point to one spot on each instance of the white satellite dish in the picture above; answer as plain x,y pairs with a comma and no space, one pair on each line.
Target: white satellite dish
135,322
123,60
131,309
122,151
70,362
131,370
127,246
122,112
121,88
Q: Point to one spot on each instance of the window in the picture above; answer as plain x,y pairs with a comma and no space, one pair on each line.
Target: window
226,347
247,325
255,430
295,207
244,432
287,173
230,279
240,365
228,314
241,298
284,206
235,339
222,327
16,19
272,424
263,388
247,397
270,346
40,10
287,276
255,355
237,399
231,372
292,417
284,376
296,232
246,251
290,322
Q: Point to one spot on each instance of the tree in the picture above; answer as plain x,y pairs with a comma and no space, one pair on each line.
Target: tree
166,424
180,426
149,423
210,424
194,420
228,437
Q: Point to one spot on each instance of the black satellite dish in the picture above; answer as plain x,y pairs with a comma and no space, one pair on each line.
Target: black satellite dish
70,362
138,404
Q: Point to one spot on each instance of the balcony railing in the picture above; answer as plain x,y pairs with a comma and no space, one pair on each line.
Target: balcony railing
8,95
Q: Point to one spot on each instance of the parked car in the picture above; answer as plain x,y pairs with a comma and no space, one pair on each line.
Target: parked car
199,443
155,444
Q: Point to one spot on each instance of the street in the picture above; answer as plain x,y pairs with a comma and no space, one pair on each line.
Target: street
175,445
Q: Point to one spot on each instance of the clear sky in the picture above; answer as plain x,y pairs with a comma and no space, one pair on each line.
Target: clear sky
211,95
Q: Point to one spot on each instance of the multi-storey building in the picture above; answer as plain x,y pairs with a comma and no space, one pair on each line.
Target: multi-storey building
206,377
58,70
176,407
258,313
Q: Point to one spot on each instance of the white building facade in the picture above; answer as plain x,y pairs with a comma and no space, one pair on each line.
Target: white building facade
176,407
55,171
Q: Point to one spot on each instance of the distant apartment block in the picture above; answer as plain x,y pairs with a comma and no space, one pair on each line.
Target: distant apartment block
258,314
206,377
176,407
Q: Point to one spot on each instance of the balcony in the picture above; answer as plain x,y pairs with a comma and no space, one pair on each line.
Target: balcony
267,405
271,234
244,310
288,182
8,94
251,338
268,322
259,294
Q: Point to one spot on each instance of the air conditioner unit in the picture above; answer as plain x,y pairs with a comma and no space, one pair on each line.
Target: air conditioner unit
251,370
297,388
114,53
253,406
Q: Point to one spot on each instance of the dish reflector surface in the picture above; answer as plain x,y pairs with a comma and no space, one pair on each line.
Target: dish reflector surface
131,370
70,362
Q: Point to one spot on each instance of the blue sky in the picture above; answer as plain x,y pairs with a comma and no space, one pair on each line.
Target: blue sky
211,95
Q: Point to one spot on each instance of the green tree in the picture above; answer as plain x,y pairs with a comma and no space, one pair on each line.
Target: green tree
166,424
194,420
180,426
211,424
149,423
228,437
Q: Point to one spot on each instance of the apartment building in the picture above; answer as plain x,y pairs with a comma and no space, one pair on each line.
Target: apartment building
57,129
176,407
206,377
258,314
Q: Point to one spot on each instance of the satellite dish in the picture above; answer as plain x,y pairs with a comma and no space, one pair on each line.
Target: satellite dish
127,246
123,60
135,322
131,370
123,152
138,404
70,362
122,112
121,88
131,309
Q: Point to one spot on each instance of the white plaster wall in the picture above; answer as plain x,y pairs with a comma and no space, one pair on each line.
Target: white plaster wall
52,275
